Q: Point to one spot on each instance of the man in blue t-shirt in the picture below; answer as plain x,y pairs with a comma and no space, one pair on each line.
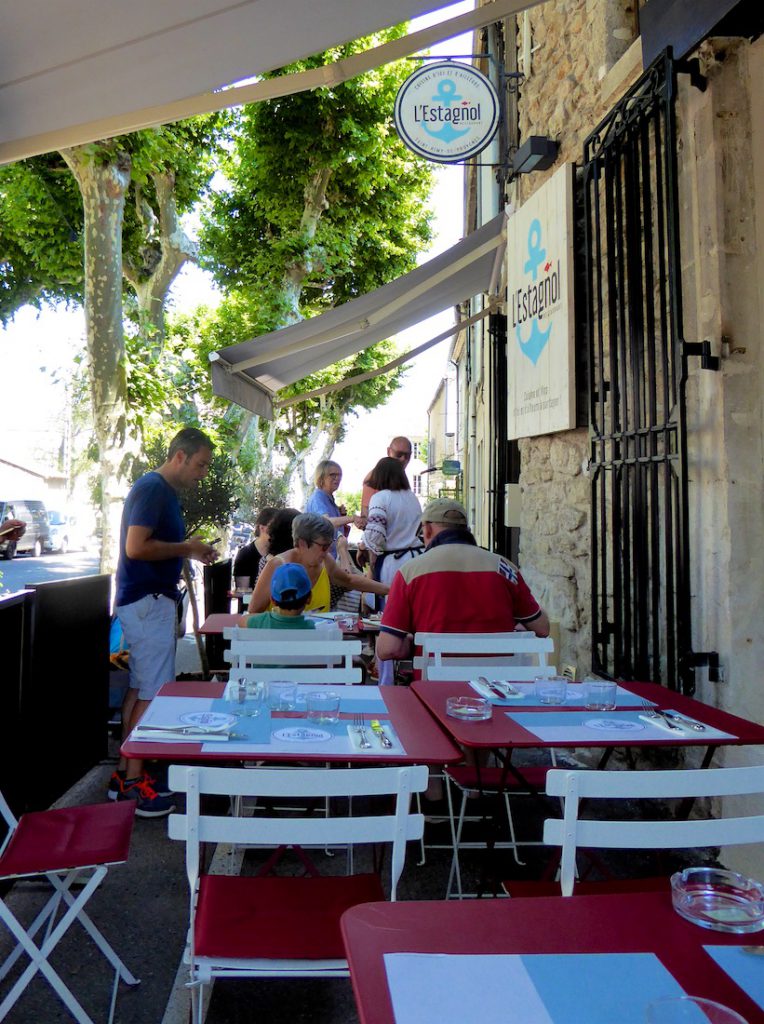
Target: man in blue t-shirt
152,546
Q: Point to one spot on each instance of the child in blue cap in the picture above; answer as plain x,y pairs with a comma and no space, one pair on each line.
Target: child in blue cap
290,592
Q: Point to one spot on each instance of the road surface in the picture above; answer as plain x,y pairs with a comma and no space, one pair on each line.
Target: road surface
16,573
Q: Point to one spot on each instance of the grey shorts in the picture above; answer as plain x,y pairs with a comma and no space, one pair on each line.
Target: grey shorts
150,628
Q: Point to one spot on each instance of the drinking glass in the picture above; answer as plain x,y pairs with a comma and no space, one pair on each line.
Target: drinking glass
281,695
255,698
551,690
324,706
599,694
235,694
690,1010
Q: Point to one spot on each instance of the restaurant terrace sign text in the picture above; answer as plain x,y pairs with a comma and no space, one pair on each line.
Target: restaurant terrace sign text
540,328
447,111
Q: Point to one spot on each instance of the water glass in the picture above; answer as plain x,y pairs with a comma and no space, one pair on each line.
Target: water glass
255,698
599,694
690,1010
235,694
551,690
282,695
324,706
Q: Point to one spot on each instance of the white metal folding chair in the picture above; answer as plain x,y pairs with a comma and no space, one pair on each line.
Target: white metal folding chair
573,832
263,926
515,656
455,656
64,846
307,656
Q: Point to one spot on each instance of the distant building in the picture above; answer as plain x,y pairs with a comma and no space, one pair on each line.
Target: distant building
17,481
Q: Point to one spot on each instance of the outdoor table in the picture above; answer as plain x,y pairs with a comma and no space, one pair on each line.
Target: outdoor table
525,723
485,960
418,739
215,623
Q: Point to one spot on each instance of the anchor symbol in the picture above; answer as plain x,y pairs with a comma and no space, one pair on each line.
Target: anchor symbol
537,339
446,95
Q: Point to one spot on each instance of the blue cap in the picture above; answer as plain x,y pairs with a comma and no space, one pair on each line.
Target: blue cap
290,582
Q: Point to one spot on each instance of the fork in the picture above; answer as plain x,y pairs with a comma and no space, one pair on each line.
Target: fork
651,712
358,723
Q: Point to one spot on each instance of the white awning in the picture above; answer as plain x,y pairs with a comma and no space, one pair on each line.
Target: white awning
250,373
72,71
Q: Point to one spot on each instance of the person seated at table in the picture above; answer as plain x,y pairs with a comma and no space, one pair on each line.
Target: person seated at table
250,560
290,591
455,587
312,535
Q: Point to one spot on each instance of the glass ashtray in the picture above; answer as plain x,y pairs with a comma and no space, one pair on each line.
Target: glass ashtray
471,709
721,900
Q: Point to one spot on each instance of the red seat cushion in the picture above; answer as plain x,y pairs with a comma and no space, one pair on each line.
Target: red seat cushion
69,837
605,887
278,918
466,777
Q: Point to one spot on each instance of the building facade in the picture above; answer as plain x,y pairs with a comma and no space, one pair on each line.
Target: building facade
639,525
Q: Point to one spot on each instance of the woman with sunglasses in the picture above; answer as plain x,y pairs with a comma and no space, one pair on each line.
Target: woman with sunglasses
327,478
313,536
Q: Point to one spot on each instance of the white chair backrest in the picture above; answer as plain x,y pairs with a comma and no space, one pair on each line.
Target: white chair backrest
453,656
397,827
300,655
570,832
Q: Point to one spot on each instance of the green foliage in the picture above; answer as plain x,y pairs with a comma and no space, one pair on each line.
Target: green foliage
41,225
40,235
322,203
351,500
373,219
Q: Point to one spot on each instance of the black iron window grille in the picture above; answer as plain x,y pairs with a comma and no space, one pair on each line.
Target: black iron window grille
641,625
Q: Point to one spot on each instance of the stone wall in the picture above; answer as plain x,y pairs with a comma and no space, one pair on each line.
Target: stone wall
555,539
575,45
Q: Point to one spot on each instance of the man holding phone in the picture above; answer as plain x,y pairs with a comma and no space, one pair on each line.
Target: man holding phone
152,546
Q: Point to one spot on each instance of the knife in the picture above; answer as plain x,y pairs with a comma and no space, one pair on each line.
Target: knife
697,726
380,733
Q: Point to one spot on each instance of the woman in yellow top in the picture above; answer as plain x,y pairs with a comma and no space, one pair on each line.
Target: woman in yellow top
313,536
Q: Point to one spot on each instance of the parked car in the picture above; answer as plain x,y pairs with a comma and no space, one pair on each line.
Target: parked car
37,536
66,533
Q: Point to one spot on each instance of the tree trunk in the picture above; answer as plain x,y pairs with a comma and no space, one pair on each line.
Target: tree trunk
168,248
103,188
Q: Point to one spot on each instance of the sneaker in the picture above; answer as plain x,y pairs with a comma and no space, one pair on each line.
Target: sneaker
149,804
157,779
115,784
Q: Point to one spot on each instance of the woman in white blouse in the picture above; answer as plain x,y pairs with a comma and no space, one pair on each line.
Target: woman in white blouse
392,531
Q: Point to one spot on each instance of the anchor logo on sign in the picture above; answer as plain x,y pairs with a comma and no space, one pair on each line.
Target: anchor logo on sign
537,339
446,95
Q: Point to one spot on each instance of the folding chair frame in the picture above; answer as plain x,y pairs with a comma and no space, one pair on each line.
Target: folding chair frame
62,880
195,828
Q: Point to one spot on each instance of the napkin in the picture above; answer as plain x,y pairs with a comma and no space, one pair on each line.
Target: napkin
661,723
376,746
486,691
174,736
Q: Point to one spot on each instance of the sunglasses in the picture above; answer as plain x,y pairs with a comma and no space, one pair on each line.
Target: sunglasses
400,455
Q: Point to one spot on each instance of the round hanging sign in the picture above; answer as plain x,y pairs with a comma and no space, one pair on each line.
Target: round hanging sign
447,111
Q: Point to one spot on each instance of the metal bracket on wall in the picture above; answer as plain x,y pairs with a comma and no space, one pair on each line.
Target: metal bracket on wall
707,659
692,68
702,349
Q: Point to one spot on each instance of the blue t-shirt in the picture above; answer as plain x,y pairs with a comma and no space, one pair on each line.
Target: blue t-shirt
154,504
323,504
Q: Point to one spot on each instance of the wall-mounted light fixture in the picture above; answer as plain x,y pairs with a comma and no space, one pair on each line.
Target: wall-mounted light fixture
536,154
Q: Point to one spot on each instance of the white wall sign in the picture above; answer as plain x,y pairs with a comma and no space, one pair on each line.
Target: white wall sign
447,111
540,315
